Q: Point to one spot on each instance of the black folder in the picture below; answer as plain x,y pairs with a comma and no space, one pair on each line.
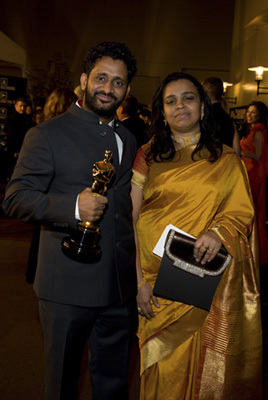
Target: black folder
177,284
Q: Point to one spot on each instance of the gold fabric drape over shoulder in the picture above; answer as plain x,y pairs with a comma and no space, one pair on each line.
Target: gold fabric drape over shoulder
187,353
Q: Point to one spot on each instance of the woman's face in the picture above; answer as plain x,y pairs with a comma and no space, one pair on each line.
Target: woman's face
252,115
182,107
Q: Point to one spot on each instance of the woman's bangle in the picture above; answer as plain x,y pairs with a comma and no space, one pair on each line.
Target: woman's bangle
142,283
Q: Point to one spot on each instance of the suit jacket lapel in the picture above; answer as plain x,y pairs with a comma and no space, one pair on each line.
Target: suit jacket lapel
122,136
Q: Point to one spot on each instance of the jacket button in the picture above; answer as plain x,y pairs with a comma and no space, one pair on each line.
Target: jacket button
103,134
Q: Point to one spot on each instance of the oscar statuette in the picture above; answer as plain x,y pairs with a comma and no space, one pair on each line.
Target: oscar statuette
82,244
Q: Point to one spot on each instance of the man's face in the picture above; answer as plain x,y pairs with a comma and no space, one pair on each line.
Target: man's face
105,88
20,107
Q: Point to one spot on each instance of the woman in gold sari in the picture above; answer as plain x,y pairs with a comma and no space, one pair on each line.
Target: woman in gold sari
184,177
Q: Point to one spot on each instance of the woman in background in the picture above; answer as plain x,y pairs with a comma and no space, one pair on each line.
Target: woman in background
254,153
184,176
58,102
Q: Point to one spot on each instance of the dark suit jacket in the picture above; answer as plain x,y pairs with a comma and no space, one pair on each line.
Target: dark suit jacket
225,127
17,126
136,126
55,164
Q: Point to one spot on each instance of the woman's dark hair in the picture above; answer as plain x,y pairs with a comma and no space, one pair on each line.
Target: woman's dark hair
115,50
162,147
263,115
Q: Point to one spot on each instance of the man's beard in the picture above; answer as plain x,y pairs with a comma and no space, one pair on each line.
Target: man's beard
101,109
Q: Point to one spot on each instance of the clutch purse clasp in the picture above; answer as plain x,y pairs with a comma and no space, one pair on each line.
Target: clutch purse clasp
179,248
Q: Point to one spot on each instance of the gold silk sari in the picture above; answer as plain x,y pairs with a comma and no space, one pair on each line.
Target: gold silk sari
188,353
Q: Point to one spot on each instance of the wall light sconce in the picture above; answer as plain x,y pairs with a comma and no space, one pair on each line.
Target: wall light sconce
259,77
229,99
226,85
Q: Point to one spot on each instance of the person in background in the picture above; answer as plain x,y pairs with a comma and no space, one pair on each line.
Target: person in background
79,92
254,153
39,105
51,186
28,109
16,127
29,114
39,117
185,177
145,114
57,103
213,86
127,114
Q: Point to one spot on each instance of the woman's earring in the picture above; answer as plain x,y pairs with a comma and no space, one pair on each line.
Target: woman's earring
202,112
164,118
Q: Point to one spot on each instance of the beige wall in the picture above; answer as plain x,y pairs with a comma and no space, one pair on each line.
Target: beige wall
164,36
249,49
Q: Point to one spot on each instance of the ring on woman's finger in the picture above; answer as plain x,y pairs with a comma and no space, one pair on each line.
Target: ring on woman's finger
139,309
210,250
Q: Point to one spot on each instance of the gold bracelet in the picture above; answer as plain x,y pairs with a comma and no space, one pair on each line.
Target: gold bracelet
142,283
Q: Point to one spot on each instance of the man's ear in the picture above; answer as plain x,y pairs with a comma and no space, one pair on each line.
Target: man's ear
83,81
119,112
128,90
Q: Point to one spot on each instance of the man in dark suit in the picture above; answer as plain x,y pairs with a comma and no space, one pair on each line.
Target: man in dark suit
51,185
213,86
128,115
16,127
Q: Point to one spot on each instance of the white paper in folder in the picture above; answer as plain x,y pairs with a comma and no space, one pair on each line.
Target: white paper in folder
160,245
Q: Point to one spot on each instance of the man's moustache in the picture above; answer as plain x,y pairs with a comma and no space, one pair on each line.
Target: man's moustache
106,94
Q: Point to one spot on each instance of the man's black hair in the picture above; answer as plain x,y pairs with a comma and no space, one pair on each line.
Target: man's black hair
115,50
130,105
214,86
19,99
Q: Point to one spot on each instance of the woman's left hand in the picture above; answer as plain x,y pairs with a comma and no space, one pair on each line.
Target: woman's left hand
206,247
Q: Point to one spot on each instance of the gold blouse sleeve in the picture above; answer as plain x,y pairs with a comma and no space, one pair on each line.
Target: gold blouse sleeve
140,168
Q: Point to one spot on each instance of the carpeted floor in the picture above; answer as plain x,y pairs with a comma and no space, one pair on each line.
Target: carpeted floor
21,373
21,348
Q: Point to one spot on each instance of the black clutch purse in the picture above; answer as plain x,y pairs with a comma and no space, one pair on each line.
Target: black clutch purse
182,278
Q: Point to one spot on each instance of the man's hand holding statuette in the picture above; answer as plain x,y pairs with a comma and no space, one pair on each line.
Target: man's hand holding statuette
91,205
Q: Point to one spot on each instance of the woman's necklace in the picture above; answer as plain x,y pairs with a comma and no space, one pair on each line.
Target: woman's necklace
185,141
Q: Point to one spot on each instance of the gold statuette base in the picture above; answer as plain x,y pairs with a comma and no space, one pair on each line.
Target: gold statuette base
82,245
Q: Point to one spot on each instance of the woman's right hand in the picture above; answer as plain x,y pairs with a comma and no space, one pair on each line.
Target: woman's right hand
144,296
